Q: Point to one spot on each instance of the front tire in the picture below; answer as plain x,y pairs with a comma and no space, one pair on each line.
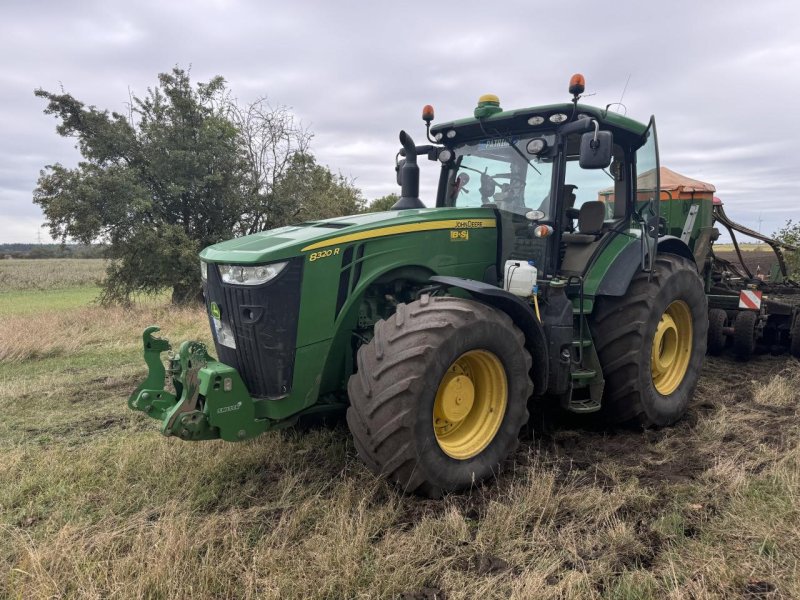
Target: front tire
651,343
440,394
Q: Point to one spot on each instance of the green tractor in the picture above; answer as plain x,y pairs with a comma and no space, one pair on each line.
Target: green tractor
550,272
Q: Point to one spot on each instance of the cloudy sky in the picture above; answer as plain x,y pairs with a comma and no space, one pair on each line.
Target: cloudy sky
720,76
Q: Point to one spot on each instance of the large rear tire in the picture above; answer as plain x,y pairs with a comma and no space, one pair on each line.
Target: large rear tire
651,343
440,394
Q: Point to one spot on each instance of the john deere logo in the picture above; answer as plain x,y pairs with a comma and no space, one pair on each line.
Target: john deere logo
215,312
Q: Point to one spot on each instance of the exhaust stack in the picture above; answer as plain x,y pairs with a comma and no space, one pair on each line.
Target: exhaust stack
408,176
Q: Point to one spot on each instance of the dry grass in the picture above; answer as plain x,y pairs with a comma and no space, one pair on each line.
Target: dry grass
94,328
95,504
50,273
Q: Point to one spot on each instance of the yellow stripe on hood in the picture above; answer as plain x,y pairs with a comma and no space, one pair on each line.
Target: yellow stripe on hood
398,229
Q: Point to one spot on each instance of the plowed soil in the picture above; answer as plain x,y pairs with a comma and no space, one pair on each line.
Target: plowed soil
752,258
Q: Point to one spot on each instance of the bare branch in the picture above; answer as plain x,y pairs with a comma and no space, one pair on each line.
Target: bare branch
269,137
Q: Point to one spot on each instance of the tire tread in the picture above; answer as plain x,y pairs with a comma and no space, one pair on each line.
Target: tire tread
618,326
391,374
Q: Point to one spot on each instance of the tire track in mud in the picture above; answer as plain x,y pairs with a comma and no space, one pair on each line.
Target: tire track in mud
678,453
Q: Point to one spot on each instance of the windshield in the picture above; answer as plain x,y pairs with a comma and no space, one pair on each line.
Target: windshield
500,171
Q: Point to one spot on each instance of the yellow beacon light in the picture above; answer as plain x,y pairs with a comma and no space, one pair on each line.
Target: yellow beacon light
488,104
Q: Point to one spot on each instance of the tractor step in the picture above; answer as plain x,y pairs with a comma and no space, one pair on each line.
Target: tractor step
583,374
586,405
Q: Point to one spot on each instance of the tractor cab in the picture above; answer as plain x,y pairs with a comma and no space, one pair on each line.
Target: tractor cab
561,179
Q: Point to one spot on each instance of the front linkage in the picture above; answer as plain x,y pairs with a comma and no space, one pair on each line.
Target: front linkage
210,400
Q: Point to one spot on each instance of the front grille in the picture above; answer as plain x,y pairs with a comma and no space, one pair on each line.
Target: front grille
264,323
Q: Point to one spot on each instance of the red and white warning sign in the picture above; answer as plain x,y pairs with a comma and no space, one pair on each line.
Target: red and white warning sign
750,299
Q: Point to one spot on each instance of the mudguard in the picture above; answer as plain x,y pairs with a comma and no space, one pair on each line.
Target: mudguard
522,315
618,276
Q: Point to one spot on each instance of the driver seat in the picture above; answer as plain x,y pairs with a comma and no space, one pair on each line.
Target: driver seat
590,224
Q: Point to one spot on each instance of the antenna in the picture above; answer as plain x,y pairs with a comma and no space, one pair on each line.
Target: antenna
624,89
619,104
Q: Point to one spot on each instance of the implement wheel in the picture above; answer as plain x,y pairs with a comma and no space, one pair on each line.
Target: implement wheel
744,334
717,321
651,343
440,394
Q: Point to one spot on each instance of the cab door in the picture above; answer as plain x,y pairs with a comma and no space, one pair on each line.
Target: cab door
647,197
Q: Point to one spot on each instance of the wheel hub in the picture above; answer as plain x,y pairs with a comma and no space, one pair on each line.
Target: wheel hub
457,396
470,404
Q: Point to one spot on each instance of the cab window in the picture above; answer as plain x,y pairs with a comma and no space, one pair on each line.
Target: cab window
500,172
591,185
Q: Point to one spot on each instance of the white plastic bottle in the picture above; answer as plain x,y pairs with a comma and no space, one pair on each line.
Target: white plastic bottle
519,277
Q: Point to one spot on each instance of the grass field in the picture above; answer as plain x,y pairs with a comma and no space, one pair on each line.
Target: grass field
94,503
50,274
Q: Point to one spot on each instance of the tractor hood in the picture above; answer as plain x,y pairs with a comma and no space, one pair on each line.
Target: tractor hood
287,242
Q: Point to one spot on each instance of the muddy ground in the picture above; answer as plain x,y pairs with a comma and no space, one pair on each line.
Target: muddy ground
678,468
660,457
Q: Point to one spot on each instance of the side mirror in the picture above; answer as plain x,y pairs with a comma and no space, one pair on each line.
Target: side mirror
596,150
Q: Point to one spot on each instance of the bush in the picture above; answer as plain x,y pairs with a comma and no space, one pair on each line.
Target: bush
790,234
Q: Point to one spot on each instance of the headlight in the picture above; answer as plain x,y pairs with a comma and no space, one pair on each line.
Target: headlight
204,270
250,274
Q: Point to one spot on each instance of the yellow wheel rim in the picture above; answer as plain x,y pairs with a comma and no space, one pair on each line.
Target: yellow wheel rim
672,348
470,404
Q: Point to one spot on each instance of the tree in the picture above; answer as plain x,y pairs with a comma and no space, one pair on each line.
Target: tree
156,185
188,167
790,234
311,191
383,203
